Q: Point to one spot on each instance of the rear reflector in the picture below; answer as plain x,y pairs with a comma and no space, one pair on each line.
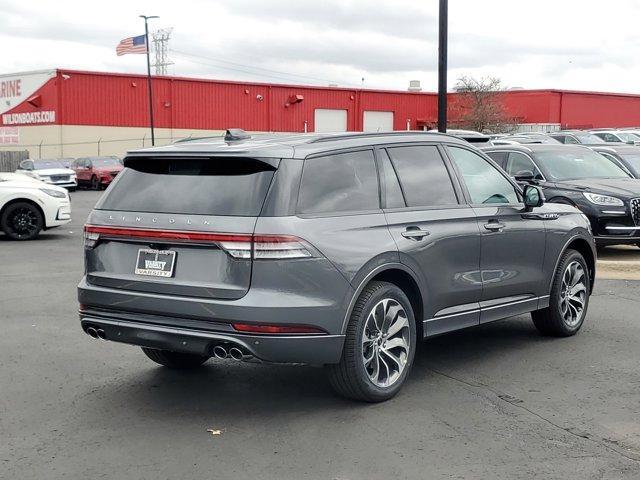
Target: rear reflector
238,245
275,329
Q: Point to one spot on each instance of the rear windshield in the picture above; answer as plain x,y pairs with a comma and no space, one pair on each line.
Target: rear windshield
209,186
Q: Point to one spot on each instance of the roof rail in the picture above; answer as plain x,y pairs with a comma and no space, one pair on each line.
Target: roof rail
341,136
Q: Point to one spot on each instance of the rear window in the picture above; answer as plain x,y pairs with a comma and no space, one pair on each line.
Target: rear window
208,186
339,183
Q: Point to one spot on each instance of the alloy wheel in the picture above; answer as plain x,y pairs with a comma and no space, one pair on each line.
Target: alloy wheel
573,293
386,342
23,222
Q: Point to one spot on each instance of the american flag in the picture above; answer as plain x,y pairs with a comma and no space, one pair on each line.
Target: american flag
132,45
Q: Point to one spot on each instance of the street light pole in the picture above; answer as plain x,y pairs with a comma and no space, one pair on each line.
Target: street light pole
442,65
149,88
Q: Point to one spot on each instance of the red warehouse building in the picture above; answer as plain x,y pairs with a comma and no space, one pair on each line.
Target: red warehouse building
68,113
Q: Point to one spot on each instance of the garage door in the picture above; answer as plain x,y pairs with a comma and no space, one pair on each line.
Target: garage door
326,120
376,121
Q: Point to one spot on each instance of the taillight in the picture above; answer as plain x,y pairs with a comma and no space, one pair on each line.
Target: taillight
279,246
242,246
276,329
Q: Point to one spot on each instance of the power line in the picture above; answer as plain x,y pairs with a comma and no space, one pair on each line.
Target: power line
254,70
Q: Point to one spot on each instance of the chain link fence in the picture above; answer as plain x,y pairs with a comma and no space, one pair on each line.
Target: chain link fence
98,147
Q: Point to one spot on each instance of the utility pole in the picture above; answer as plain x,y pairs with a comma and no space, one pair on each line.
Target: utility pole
442,65
161,49
150,89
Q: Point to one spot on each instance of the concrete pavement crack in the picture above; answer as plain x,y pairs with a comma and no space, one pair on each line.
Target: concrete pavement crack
606,443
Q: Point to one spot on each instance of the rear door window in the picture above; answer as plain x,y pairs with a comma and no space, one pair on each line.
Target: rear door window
343,182
393,193
423,176
230,186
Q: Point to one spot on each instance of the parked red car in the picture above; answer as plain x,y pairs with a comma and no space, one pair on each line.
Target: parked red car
96,172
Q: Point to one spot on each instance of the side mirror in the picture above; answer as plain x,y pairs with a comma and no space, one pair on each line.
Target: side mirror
533,197
524,176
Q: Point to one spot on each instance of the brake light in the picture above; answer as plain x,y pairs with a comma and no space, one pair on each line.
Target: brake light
276,329
242,246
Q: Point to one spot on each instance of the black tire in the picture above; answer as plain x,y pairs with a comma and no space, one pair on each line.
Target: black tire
22,221
551,321
350,377
175,359
95,183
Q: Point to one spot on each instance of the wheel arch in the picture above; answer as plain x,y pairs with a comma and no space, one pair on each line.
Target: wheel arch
25,200
582,246
401,276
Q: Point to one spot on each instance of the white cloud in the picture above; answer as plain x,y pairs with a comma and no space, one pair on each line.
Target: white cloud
549,44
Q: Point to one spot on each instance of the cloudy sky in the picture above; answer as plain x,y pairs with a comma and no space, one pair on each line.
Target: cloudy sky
571,44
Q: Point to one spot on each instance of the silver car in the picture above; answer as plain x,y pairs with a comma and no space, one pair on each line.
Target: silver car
341,250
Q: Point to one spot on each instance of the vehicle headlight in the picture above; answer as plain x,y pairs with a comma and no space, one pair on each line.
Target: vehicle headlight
53,193
604,200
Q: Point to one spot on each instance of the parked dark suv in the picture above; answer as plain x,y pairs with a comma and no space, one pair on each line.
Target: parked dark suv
340,250
576,175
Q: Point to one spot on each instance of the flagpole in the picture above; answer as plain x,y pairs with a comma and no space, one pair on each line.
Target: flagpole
150,89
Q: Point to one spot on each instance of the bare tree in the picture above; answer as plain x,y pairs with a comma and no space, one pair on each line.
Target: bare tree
478,106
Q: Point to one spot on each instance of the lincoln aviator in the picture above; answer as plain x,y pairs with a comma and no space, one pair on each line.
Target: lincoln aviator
340,250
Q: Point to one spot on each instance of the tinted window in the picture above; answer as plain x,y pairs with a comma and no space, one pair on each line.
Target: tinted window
571,140
519,163
210,186
423,176
339,183
484,182
393,193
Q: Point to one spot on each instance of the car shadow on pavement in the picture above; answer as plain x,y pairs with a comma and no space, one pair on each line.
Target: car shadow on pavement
232,388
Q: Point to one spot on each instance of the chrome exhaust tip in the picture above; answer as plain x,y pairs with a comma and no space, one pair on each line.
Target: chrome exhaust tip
236,353
219,352
92,332
101,334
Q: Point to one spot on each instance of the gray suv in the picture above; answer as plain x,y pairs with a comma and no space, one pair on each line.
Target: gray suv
341,250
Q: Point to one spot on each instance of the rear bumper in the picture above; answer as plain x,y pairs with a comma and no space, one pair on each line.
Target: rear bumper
309,349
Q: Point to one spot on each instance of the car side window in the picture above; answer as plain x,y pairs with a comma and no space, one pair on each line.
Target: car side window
499,157
608,137
570,140
519,163
423,176
484,182
339,183
393,193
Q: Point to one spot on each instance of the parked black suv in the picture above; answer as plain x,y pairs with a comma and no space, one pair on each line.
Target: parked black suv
341,250
578,176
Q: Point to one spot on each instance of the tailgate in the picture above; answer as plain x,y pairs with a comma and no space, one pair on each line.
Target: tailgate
177,226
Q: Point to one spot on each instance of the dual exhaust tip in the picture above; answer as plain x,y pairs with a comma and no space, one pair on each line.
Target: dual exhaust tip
235,353
219,351
96,333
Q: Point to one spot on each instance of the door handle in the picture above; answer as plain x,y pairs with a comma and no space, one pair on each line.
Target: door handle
415,233
494,226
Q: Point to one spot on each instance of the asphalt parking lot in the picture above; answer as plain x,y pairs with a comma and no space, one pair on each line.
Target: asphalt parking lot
498,401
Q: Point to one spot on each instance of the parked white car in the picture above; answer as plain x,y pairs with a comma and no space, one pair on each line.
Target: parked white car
28,206
52,172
